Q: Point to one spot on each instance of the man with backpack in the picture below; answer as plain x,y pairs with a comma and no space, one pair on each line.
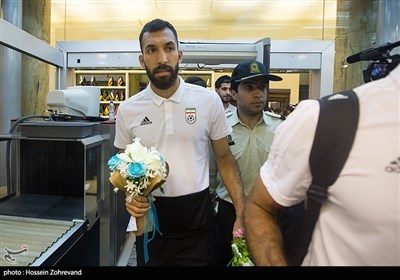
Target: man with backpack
358,223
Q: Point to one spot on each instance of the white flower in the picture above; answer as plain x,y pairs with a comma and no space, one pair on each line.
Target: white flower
235,250
138,165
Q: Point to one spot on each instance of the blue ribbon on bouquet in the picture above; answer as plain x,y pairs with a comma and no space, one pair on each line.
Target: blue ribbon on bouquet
151,217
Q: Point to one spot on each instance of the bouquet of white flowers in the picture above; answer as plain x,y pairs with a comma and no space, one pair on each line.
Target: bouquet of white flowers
138,171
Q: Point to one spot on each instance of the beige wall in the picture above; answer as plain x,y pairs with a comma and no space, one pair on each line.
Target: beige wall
290,81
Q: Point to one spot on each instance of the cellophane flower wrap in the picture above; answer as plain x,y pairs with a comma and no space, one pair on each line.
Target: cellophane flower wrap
138,171
241,256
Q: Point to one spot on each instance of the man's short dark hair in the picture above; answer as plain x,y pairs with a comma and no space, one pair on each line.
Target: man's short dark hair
157,25
221,80
196,81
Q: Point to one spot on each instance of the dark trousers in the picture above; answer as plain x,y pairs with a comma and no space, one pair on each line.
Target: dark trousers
225,220
198,250
188,235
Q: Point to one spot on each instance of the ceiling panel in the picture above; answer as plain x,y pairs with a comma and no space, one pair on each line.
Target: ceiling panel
195,20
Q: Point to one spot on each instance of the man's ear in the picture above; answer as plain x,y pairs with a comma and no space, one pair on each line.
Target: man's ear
141,60
180,56
233,93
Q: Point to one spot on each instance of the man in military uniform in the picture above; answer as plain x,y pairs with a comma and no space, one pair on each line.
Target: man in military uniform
250,142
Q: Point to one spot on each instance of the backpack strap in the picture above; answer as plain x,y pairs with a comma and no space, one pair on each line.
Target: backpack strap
334,136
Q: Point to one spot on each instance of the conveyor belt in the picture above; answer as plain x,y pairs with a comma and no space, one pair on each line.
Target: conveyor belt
24,240
43,207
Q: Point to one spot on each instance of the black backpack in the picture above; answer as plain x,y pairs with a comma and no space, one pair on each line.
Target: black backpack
334,136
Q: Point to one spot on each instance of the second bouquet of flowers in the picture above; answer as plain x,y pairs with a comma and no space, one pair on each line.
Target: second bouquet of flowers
241,255
139,171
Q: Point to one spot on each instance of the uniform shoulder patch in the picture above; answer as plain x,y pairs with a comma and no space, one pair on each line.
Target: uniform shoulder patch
268,113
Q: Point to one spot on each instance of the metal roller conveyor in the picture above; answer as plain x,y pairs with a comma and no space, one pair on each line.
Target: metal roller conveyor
30,241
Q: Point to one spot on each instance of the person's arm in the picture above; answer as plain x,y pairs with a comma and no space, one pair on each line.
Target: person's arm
213,171
263,235
230,175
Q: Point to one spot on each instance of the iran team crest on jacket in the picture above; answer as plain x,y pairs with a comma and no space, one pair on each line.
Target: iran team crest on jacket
190,115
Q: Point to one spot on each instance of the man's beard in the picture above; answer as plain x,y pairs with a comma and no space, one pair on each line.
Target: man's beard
163,82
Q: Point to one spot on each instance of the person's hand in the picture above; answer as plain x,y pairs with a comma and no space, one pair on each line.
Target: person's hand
238,226
137,206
